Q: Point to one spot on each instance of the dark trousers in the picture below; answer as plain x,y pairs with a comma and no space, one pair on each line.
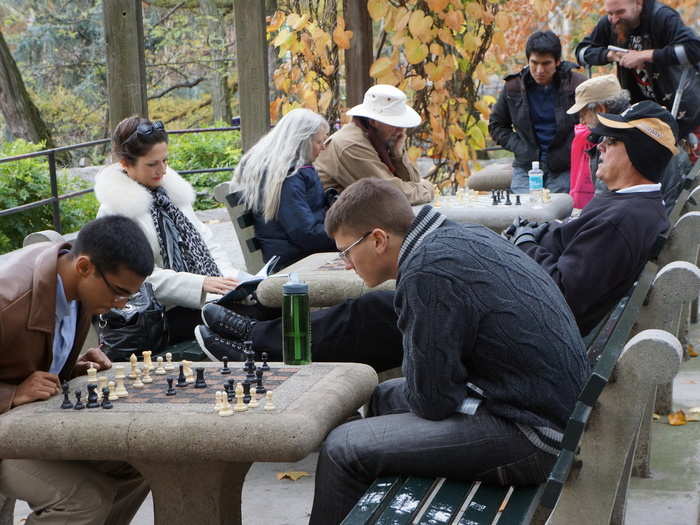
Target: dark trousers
361,330
394,441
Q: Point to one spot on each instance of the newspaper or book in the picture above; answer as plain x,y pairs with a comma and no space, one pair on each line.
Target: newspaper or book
248,283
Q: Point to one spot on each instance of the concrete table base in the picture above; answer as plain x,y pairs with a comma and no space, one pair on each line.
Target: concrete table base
219,486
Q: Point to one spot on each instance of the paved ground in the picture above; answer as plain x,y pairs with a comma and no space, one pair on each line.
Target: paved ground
670,497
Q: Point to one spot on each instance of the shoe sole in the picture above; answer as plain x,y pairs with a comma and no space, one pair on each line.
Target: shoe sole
204,321
200,342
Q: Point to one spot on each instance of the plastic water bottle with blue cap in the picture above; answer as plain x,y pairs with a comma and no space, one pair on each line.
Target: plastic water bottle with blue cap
296,336
536,179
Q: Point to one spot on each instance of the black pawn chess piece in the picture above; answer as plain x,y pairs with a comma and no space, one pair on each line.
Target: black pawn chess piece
200,382
264,365
246,391
79,405
508,201
517,200
66,400
225,370
181,379
494,199
106,403
230,388
170,391
92,399
259,389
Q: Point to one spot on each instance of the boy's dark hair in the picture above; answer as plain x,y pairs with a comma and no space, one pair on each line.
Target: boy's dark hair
115,242
134,137
367,204
543,42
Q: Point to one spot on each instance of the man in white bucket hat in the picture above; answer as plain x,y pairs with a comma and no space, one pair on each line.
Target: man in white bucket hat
373,145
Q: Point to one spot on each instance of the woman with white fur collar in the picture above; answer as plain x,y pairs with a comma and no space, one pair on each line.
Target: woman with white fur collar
141,186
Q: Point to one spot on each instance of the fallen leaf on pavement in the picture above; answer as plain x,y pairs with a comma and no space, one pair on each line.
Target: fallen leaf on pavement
293,475
677,418
655,417
691,351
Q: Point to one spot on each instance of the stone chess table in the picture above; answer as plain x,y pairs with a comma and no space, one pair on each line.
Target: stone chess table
330,284
194,459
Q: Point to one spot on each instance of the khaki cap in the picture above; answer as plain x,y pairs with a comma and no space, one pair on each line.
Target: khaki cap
595,90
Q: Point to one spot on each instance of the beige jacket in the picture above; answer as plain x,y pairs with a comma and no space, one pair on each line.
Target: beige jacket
349,156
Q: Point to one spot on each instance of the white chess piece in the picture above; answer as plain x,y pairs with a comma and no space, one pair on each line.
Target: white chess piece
101,382
268,401
160,371
187,370
137,382
121,387
253,400
146,378
218,404
113,396
92,373
119,372
240,405
225,409
134,365
147,363
169,366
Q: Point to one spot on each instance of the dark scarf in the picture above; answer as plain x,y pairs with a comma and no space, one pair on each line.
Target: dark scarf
377,143
181,245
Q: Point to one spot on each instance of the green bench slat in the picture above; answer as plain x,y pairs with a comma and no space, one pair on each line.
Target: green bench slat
406,501
483,507
576,426
376,497
521,505
446,503
557,478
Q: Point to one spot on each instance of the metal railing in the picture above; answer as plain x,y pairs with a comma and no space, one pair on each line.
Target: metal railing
55,198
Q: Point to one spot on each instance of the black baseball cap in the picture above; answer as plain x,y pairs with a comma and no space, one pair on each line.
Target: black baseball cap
649,133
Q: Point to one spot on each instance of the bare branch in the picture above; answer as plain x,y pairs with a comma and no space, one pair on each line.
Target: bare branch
177,86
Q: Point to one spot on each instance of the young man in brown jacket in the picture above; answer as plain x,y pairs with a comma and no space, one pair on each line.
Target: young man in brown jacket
48,294
372,145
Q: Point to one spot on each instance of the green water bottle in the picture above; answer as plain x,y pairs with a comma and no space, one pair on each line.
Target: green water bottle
296,336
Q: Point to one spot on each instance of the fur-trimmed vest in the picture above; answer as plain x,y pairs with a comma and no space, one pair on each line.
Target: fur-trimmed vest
120,195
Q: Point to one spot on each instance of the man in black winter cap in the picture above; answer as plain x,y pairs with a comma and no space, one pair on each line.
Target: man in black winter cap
596,257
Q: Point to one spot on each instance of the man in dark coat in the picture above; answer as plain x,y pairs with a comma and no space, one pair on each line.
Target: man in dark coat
530,116
660,46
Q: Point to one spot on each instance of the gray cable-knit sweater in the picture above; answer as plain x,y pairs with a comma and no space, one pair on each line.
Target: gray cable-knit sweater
481,319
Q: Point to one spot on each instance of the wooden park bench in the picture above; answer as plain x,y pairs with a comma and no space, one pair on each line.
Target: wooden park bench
589,480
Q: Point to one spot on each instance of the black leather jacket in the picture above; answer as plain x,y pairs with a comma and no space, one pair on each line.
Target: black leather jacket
676,46
510,124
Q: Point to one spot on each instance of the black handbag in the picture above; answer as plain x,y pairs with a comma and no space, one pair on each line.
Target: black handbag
140,325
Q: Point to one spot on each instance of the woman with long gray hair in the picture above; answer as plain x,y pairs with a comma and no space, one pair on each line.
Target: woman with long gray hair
281,187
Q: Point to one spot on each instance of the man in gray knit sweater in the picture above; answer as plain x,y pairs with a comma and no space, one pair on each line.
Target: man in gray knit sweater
493,360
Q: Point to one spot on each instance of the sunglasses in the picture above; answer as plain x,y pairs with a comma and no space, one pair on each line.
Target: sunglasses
147,128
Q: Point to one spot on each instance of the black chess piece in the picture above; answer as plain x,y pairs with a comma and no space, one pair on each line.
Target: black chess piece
230,388
225,370
181,379
106,403
92,399
508,201
200,382
79,405
494,198
170,391
246,391
264,365
259,389
517,200
66,400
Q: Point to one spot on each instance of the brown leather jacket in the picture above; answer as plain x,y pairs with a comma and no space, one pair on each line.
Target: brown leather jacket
27,318
349,156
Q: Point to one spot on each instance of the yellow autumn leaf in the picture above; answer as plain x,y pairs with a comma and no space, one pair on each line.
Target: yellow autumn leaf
454,20
341,37
398,39
325,101
275,109
474,10
328,70
499,39
445,35
484,127
436,49
392,78
413,153
297,22
419,24
541,7
481,74
455,132
677,418
403,15
275,22
438,5
691,351
380,67
292,474
377,9
461,150
310,100
476,138
417,83
282,37
471,42
483,108
415,50
502,21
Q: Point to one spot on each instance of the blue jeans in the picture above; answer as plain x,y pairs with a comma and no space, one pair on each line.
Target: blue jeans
554,182
392,440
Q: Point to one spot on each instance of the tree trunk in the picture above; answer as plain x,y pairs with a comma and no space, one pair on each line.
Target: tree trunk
21,115
220,93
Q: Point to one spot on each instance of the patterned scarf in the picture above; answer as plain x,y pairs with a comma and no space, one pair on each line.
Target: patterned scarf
181,245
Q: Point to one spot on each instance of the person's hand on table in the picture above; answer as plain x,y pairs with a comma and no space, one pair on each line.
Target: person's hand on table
95,357
220,285
37,386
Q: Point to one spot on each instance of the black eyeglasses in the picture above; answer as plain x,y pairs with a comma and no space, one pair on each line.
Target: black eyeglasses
345,254
608,141
146,129
118,294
